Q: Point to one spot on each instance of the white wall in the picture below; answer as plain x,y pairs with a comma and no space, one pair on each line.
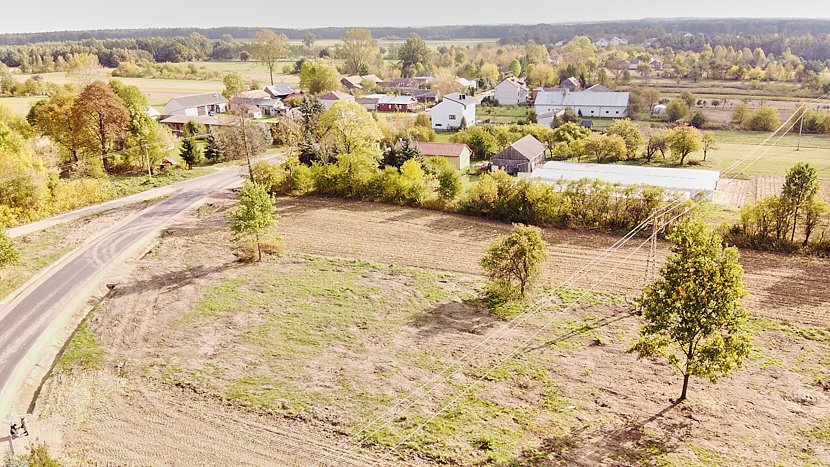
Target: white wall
508,94
440,115
587,110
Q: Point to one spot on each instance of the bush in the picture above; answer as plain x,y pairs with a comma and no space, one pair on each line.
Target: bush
449,184
676,110
271,176
697,120
765,118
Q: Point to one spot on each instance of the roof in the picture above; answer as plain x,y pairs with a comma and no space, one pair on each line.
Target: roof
518,82
203,119
255,94
151,111
197,100
463,99
466,82
598,88
687,180
279,90
396,100
367,100
441,149
572,80
550,89
336,96
354,80
600,99
529,147
373,78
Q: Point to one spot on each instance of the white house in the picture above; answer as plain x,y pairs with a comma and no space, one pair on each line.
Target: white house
450,112
584,104
603,42
617,41
195,105
512,91
467,83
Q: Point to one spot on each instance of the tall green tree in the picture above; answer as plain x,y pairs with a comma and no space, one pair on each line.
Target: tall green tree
253,220
234,84
191,152
513,261
413,52
630,133
269,47
693,316
683,140
359,51
319,76
800,188
55,120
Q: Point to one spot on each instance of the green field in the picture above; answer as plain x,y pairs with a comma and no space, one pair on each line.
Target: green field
19,105
253,70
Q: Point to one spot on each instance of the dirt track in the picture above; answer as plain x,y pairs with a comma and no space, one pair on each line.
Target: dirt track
780,286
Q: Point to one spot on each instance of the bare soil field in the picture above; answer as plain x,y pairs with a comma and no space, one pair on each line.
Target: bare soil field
207,361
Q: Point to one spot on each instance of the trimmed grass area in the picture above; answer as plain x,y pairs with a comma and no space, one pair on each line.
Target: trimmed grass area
19,105
125,185
83,352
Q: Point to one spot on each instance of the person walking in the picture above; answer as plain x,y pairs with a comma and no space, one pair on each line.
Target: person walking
13,431
23,426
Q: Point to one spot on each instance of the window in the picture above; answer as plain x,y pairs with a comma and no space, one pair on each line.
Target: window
618,112
452,117
437,124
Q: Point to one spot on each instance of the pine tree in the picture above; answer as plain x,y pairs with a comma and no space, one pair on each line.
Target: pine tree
213,150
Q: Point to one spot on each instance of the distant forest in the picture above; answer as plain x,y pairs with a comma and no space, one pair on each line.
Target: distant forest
634,30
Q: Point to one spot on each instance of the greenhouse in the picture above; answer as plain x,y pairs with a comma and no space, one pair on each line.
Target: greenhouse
690,182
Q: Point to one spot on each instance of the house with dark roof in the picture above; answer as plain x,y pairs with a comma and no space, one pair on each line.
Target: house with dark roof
511,91
280,91
197,104
456,154
522,156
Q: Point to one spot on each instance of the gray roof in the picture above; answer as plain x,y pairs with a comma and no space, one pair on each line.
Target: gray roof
203,119
529,147
398,100
463,99
598,88
584,98
196,100
277,90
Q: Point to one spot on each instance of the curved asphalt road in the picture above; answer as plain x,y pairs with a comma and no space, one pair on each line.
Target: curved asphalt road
29,315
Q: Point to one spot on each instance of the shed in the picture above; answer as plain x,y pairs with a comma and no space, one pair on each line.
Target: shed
458,155
522,156
659,109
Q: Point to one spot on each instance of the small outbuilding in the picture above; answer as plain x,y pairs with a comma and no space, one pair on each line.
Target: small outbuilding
659,109
522,156
457,155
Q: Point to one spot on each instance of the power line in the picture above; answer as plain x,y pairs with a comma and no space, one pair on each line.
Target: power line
597,260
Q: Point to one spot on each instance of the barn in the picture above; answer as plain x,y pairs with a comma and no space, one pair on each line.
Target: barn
522,156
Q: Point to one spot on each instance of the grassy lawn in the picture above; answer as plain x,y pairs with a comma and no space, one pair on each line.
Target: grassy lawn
125,185
19,105
253,70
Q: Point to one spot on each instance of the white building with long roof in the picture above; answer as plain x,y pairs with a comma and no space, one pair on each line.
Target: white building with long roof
688,182
583,103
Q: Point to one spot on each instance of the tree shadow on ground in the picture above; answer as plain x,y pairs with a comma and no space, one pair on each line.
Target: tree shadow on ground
172,280
622,314
453,318
632,443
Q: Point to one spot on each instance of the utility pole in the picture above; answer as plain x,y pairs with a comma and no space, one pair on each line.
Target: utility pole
247,150
800,127
651,260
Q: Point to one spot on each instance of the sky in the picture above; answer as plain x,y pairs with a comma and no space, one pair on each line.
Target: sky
57,15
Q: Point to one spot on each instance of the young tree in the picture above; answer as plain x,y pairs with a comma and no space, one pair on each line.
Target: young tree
651,97
359,50
688,98
800,188
190,151
412,53
513,260
740,113
318,76
213,147
309,39
269,48
693,315
449,184
253,220
657,141
709,142
683,140
101,119
764,118
234,84
630,133
604,147
348,127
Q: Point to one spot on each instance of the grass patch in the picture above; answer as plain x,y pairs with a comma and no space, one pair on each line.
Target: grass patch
84,351
811,333
819,432
129,185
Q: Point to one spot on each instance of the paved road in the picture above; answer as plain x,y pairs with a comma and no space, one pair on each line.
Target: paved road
29,315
